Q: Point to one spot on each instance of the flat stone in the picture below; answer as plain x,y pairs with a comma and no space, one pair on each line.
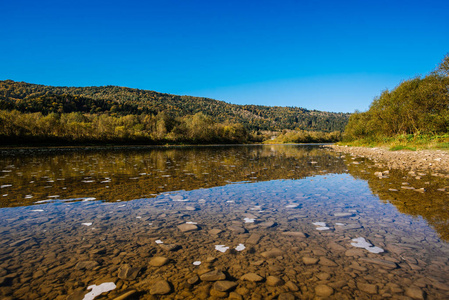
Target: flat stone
188,227
86,265
336,247
355,252
415,293
254,238
158,261
224,285
310,260
383,263
327,262
170,247
343,215
267,224
297,234
368,288
237,229
323,290
274,281
253,277
126,272
338,284
161,287
214,275
272,253
215,231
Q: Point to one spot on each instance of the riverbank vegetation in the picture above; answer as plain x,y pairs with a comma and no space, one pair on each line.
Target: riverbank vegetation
414,115
31,114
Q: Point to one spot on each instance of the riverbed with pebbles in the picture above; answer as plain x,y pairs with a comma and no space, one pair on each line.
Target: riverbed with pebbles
315,225
436,161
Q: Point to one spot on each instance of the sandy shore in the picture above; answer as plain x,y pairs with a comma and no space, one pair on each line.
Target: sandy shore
436,161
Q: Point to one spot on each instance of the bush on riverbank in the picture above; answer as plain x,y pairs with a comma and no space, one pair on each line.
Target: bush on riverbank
415,111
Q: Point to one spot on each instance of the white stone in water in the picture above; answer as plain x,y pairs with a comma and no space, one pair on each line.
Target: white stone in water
44,201
89,199
292,206
248,220
196,263
28,196
221,248
122,205
159,242
37,210
230,201
97,290
193,223
362,243
321,224
240,247
86,224
256,208
139,217
375,249
150,224
339,224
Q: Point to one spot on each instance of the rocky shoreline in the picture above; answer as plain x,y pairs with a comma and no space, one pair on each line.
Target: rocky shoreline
435,161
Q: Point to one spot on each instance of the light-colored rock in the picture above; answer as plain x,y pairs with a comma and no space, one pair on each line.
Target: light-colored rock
310,260
187,227
368,288
272,253
161,287
224,285
415,293
253,277
158,261
327,262
323,290
214,275
274,281
126,272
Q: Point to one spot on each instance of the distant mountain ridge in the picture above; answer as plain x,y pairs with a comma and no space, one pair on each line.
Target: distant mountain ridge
27,97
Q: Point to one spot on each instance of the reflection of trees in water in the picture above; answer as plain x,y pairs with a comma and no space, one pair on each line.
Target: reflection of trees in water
432,205
143,172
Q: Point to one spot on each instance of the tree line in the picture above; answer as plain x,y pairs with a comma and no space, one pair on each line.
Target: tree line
120,101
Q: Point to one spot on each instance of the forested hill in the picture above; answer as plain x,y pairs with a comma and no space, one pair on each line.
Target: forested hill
120,101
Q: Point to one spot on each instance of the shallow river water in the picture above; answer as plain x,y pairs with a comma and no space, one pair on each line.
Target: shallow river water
236,222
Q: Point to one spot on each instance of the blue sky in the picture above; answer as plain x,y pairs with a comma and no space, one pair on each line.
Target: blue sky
324,55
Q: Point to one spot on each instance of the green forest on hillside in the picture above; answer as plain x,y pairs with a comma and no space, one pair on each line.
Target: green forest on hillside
417,110
33,113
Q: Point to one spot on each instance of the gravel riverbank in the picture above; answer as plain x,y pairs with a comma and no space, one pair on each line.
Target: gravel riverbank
436,161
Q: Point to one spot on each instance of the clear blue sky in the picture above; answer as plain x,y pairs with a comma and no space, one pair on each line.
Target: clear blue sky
325,55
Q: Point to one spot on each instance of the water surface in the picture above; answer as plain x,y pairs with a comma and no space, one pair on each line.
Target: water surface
294,215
